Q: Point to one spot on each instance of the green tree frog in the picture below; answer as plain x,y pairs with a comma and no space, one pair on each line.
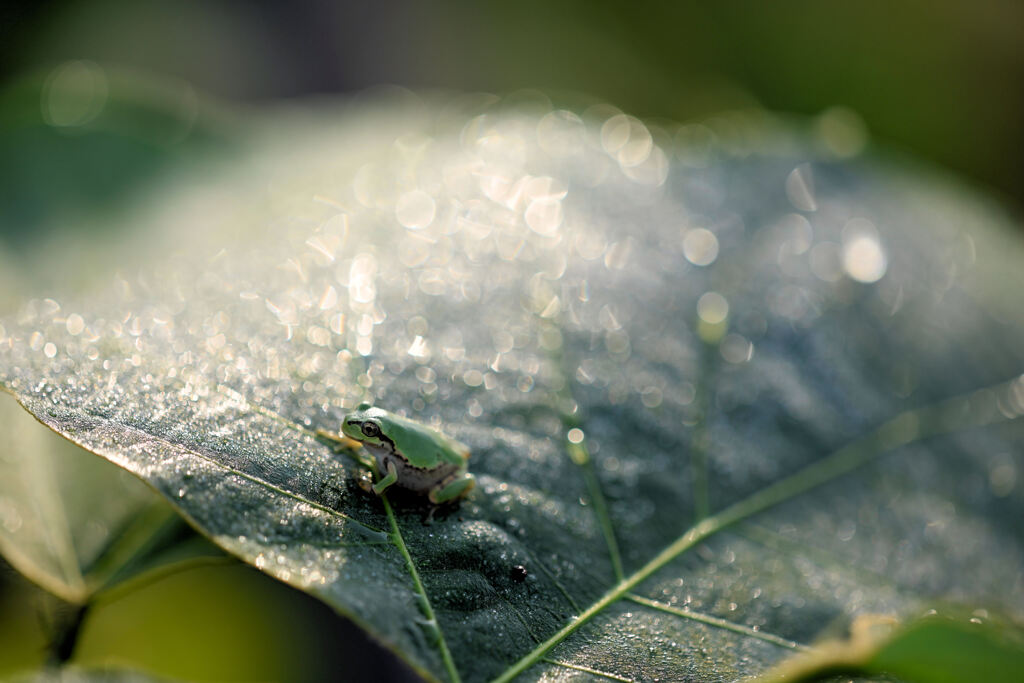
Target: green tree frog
410,454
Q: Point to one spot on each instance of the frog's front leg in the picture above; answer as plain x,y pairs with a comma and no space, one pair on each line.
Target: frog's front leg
459,484
340,443
390,478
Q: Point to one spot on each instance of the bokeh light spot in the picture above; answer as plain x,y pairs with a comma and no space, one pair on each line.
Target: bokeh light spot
74,94
700,246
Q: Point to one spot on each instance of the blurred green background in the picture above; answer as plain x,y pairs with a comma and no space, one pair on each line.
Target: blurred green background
942,80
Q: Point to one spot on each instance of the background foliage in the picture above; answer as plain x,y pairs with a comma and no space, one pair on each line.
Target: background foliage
941,79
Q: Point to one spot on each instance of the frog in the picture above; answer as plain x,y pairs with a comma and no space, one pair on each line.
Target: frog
410,454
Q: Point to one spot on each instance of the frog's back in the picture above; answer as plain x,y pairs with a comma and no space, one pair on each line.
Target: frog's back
424,446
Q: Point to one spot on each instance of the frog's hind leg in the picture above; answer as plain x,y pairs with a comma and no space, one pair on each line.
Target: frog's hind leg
450,489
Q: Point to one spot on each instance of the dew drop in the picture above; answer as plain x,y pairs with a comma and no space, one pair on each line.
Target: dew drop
826,262
842,131
75,324
419,348
560,133
712,308
800,188
74,94
651,397
700,246
415,210
864,260
1002,476
736,348
544,216
617,255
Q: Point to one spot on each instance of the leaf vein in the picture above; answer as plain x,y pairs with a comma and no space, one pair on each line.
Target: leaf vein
716,622
944,417
589,670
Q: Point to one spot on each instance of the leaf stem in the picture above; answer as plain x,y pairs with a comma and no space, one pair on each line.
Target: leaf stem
64,639
578,452
428,611
701,436
580,455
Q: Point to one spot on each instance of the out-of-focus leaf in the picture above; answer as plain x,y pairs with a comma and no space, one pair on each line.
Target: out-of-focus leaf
80,675
81,145
70,522
79,139
648,337
948,652
931,650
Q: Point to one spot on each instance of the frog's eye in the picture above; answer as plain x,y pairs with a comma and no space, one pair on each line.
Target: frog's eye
365,405
371,429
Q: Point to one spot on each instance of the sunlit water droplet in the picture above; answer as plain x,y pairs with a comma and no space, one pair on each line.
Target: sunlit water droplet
415,210
419,348
74,94
800,188
842,131
864,260
736,348
700,246
560,133
75,324
826,261
544,216
1002,476
712,308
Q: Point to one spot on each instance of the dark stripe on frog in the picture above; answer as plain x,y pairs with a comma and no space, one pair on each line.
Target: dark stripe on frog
382,438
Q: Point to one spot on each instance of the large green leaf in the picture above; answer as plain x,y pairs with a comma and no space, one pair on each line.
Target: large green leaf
661,493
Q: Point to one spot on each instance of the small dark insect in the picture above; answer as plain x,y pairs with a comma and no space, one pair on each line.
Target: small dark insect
519,573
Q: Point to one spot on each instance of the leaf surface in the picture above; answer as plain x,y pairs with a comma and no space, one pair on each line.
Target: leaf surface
670,484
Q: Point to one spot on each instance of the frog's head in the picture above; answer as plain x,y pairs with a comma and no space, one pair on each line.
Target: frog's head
368,425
